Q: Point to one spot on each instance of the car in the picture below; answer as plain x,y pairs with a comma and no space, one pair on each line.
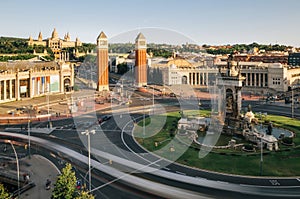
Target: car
172,95
106,117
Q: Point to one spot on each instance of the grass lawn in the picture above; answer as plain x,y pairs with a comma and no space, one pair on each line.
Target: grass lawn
285,162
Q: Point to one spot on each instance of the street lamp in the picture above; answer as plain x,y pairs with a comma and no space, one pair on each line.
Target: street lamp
144,119
48,108
153,99
18,169
172,150
292,105
261,143
28,132
28,129
87,133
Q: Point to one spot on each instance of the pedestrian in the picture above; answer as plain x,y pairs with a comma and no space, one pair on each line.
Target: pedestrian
4,149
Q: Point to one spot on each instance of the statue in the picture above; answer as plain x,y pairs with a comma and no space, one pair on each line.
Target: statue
249,108
232,69
249,116
229,103
270,129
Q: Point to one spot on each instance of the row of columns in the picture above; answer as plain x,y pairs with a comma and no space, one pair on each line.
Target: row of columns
4,95
10,88
256,79
198,78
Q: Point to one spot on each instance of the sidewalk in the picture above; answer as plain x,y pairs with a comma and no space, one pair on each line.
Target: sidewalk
57,104
40,169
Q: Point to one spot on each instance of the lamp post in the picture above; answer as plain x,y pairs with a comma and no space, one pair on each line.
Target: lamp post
144,120
292,105
153,99
48,107
261,143
261,156
18,169
87,133
28,129
172,150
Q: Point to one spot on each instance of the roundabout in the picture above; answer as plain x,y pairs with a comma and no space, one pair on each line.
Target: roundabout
230,159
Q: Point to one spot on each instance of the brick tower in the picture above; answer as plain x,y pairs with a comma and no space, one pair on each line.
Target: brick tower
102,62
140,60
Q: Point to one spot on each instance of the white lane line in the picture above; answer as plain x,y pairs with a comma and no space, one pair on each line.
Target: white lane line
139,155
222,182
178,172
200,178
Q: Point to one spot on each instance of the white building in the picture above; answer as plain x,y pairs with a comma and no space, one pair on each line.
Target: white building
260,77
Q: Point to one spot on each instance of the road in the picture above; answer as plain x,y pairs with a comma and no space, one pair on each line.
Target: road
114,138
170,184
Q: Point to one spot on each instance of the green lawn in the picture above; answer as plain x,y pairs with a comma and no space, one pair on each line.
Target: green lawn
285,162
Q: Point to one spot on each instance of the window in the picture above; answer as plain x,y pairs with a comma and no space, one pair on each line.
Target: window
276,81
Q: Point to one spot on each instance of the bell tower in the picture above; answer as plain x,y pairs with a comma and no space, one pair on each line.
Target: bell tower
140,60
102,62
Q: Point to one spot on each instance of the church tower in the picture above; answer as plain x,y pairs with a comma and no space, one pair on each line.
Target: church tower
102,62
140,60
40,37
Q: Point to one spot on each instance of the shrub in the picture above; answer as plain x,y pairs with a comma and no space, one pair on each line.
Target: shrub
248,147
287,140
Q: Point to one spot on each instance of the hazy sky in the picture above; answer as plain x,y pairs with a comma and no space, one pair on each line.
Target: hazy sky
201,21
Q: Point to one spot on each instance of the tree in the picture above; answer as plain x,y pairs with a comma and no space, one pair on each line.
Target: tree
84,195
122,68
65,186
3,193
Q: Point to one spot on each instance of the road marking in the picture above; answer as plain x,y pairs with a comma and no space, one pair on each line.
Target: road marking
222,182
298,179
166,168
178,172
274,182
141,155
200,178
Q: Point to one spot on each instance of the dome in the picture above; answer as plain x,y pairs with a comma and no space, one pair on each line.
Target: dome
54,34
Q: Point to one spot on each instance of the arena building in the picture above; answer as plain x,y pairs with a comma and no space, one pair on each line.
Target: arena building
28,79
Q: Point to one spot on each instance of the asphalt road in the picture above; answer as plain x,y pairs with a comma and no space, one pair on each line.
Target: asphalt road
111,140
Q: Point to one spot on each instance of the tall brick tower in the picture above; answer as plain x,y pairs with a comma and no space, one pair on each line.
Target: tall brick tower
102,62
140,60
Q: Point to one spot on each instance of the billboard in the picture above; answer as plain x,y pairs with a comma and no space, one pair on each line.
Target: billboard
54,83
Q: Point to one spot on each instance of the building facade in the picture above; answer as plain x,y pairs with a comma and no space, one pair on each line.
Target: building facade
294,59
55,43
260,77
27,79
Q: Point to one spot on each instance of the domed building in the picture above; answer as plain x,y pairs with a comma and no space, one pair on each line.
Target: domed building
55,43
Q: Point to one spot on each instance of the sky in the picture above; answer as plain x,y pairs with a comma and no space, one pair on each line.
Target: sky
212,22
